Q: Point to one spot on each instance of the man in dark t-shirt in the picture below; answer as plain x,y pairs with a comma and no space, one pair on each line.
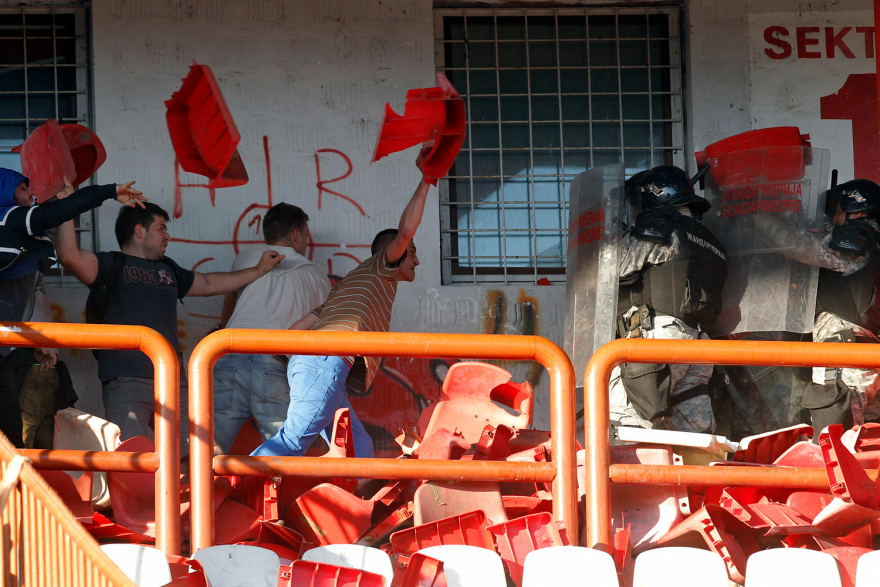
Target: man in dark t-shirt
141,286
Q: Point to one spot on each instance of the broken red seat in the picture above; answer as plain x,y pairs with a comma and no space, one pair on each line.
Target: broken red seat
468,401
436,500
766,448
442,444
288,544
865,438
856,496
714,528
46,160
328,514
515,539
313,574
132,496
203,133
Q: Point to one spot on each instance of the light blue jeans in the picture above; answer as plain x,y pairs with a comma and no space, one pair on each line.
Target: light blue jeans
245,386
317,390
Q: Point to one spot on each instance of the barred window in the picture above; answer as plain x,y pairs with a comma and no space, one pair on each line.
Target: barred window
44,74
549,94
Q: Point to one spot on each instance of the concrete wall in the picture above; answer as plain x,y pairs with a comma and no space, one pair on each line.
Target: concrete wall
306,83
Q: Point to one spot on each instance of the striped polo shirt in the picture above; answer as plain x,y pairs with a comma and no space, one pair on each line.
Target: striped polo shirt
362,302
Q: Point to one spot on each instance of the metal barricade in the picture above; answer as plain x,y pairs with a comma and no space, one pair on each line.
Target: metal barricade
597,424
166,461
561,471
42,543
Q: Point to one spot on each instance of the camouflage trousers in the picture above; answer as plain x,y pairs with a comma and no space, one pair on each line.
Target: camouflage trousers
864,384
692,415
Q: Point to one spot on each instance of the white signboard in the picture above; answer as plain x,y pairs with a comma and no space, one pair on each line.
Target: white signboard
816,71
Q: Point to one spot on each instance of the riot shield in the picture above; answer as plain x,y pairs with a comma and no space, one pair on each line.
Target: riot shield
767,211
594,229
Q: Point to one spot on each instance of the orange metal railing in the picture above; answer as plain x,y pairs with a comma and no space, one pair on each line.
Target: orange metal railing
167,425
562,412
597,425
41,542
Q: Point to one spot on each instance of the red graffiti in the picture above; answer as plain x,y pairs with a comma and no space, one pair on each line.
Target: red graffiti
321,184
856,100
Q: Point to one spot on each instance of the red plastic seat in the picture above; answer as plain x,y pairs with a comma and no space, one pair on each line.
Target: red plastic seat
133,498
437,500
46,160
470,529
517,538
467,401
203,134
312,574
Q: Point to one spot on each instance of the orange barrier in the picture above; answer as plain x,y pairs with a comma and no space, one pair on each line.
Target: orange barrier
167,425
42,543
562,410
597,426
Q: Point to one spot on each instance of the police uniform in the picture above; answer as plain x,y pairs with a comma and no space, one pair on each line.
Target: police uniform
669,290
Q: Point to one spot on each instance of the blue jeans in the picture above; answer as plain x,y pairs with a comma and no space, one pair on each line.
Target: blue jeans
245,386
317,390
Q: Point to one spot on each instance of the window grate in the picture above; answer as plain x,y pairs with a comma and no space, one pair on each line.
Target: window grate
44,74
549,93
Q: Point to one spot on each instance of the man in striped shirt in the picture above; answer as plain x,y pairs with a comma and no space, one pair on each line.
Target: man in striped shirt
361,302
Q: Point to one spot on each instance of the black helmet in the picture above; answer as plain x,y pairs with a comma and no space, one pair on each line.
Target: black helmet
856,195
668,185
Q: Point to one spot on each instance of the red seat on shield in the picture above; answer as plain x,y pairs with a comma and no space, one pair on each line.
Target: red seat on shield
467,399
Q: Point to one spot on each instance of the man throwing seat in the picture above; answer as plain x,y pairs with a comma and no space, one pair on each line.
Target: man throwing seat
256,385
361,302
672,271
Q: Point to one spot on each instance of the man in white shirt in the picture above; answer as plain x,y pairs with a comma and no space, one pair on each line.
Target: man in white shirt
256,385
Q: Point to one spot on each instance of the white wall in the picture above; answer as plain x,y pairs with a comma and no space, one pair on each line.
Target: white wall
314,76
309,76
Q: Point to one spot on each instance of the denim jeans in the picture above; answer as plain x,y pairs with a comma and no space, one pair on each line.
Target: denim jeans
245,386
317,390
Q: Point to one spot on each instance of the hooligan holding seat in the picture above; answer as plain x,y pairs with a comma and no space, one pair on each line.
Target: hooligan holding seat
672,271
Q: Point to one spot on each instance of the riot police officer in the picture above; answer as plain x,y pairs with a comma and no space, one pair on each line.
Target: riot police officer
672,271
848,309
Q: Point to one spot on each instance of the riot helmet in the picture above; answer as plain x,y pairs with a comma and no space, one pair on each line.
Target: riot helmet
667,185
856,195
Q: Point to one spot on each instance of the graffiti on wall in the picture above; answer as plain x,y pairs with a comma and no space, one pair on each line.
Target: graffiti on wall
404,386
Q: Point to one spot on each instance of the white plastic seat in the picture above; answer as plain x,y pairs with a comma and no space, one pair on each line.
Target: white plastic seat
77,430
566,566
780,567
237,564
679,566
868,570
468,566
355,556
145,565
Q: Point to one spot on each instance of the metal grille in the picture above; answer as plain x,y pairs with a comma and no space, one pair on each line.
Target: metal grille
549,94
44,74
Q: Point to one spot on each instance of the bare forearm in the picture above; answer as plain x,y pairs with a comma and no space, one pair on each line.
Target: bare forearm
306,322
212,284
412,214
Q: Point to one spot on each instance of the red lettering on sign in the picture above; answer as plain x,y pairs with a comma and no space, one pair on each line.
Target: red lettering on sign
773,36
856,100
835,41
803,41
868,33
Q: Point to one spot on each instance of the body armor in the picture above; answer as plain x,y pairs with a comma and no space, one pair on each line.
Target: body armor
852,297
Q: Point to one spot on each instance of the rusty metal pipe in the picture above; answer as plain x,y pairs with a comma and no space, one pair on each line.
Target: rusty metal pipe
90,460
166,373
740,476
473,346
386,469
706,352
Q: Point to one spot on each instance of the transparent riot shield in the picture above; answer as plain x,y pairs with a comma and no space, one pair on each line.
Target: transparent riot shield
767,210
594,229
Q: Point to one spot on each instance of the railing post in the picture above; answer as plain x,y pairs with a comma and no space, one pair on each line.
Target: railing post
704,352
473,346
166,372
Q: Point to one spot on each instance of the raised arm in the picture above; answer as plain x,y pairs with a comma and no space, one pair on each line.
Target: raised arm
70,205
212,284
82,264
411,217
